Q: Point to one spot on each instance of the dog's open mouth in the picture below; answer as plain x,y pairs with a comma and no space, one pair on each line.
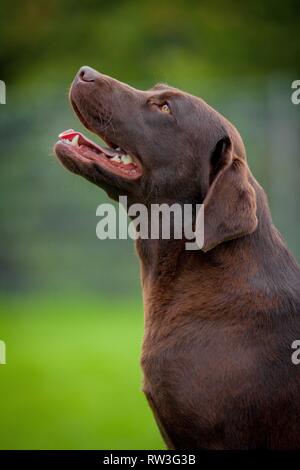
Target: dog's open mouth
112,158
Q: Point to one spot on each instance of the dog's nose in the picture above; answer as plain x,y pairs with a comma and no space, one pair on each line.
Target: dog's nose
87,74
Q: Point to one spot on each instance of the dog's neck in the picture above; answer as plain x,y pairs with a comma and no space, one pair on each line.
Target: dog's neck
247,268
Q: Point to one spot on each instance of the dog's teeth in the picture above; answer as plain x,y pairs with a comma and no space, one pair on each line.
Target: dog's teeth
116,158
126,159
75,140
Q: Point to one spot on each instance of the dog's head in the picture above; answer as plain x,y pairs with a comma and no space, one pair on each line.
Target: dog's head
164,145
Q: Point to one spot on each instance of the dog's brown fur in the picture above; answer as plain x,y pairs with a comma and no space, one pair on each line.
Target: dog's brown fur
219,323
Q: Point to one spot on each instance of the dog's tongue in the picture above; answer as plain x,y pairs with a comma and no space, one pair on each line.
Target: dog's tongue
77,138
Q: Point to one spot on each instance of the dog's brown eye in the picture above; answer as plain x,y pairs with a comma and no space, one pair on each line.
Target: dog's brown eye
165,108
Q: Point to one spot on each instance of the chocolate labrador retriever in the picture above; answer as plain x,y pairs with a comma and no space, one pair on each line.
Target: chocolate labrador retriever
220,321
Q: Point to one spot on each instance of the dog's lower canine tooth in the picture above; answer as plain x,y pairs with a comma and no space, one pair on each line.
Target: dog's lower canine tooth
126,159
75,140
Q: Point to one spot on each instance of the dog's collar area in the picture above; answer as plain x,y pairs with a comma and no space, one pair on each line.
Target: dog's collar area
117,158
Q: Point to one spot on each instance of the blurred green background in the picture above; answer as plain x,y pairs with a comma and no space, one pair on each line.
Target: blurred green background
71,310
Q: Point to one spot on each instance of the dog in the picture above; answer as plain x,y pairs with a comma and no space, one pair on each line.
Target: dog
220,321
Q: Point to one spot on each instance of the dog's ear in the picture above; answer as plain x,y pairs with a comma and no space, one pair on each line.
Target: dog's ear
230,203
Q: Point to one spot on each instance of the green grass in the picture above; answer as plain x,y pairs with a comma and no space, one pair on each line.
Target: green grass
72,378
